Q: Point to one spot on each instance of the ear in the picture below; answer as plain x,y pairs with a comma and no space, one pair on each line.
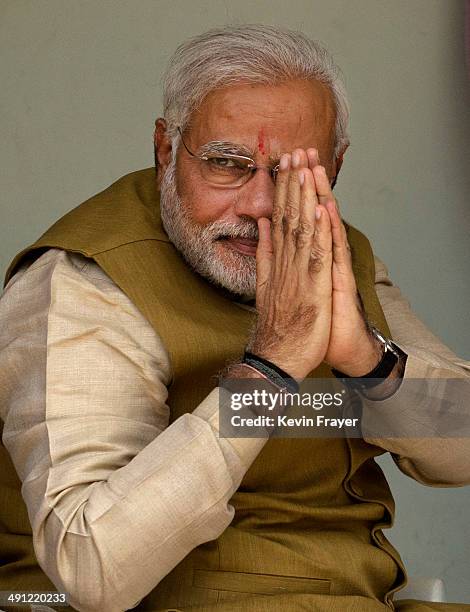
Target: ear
162,146
337,165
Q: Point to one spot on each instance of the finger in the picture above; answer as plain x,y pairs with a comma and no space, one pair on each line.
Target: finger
277,218
292,207
323,185
313,158
264,255
344,275
306,227
341,250
321,257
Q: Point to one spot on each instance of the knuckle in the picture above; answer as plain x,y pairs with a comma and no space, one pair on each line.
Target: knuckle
318,257
306,228
318,252
303,240
291,213
315,265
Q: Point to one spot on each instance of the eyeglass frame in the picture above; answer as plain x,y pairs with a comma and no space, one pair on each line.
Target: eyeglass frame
252,167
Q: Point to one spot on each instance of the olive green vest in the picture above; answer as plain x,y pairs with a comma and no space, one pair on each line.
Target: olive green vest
308,513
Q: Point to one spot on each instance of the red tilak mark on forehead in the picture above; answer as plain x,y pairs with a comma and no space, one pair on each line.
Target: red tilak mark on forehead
261,148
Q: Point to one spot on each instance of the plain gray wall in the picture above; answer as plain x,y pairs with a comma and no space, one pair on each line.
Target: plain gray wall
80,92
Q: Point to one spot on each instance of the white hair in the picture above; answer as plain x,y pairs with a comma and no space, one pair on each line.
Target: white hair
252,54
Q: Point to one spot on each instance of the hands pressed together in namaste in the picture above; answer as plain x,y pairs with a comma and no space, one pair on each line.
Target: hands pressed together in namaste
308,307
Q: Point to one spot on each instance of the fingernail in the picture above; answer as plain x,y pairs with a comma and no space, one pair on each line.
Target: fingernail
317,213
316,157
295,159
284,163
301,177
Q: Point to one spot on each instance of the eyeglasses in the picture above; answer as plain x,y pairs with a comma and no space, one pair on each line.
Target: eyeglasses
227,170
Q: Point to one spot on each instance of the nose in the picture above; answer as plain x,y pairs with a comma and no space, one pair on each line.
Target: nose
255,198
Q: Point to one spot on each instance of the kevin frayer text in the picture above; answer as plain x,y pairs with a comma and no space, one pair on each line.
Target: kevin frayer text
284,421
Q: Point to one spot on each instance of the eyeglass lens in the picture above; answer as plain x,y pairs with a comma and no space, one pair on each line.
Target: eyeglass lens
229,171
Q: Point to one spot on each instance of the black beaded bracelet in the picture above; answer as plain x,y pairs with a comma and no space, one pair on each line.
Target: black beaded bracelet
273,372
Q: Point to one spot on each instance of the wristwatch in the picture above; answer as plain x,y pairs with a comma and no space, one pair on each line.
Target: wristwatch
390,356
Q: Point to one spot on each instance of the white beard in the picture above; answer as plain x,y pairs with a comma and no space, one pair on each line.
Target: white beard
199,246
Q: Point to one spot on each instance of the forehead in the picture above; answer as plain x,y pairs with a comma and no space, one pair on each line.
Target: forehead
284,116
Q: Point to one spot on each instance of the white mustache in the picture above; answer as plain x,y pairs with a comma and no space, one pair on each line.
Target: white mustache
220,229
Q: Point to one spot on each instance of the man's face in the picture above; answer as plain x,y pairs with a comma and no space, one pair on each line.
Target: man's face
214,227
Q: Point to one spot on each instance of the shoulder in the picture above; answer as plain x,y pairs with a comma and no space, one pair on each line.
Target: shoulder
64,271
59,260
63,290
60,272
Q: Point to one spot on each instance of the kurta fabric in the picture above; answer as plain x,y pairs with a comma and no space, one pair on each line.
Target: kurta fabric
123,482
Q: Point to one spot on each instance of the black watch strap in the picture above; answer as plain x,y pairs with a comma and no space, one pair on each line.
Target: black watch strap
390,357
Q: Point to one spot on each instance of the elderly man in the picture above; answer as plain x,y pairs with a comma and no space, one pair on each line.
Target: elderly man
117,320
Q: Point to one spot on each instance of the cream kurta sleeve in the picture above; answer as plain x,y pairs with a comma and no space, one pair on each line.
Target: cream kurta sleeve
434,460
115,496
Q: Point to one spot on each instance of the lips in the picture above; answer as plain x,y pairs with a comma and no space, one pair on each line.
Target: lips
245,246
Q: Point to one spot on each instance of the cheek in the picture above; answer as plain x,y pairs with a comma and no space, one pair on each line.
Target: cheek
207,206
204,203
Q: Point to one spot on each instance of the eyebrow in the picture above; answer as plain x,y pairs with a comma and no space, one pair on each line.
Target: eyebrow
231,148
224,146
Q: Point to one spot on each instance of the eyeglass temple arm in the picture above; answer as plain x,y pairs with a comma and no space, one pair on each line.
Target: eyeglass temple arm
184,144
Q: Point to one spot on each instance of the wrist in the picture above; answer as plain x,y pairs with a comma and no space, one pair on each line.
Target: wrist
293,368
368,355
383,372
271,371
